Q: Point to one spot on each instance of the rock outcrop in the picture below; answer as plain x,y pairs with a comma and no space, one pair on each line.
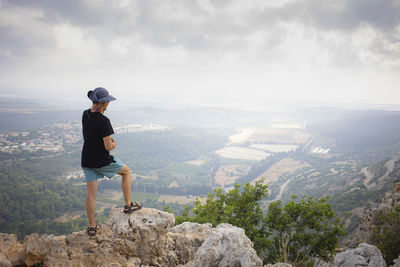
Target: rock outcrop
143,238
396,262
363,255
369,222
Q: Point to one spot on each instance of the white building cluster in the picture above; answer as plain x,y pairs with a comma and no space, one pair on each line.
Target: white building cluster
51,139
137,128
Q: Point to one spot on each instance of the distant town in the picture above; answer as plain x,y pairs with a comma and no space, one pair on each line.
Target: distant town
50,139
56,137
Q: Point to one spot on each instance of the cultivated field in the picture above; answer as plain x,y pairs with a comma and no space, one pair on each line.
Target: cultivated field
151,177
286,165
176,199
280,136
274,148
242,136
242,153
228,174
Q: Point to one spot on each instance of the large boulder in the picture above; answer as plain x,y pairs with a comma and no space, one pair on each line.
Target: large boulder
226,245
188,237
363,255
143,234
11,251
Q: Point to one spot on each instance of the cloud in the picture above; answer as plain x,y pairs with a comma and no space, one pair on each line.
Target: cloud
217,43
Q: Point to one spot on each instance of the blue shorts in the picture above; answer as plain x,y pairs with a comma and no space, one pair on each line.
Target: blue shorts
93,174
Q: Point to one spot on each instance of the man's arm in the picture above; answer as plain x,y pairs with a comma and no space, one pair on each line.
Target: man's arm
109,143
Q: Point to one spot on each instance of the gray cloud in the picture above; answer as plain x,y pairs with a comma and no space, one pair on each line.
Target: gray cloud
219,26
338,14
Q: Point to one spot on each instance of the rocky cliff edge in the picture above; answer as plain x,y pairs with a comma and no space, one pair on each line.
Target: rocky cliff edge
144,238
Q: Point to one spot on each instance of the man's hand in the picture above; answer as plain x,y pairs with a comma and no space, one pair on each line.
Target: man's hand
109,143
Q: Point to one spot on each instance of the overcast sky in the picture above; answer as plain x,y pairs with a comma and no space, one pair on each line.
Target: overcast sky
238,52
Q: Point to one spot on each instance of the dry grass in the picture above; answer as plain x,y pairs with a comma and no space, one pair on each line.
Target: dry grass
176,199
286,165
69,216
228,174
173,184
111,194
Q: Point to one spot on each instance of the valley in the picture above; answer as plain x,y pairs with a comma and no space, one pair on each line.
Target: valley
172,164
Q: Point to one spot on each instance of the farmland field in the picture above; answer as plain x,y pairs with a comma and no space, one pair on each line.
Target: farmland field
286,165
274,148
241,137
280,136
242,153
176,199
227,174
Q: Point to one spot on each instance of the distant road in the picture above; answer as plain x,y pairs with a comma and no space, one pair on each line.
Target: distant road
309,142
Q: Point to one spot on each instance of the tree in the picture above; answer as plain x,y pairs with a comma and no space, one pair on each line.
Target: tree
302,230
388,227
295,233
239,208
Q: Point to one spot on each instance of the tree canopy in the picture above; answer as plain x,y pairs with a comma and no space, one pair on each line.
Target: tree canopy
294,232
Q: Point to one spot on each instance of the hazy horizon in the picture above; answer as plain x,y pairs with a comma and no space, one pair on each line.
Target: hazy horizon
245,54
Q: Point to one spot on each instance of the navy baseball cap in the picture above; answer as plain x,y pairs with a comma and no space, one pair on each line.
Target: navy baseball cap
100,95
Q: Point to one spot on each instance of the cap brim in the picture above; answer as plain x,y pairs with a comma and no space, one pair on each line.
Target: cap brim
106,99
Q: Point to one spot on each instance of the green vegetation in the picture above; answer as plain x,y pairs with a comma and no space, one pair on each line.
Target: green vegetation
385,236
30,194
296,232
302,230
58,228
149,151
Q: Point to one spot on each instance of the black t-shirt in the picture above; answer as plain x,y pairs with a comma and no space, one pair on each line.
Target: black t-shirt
95,126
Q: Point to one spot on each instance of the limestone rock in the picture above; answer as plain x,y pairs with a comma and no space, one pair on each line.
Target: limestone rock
279,264
226,245
4,263
321,263
11,251
142,233
143,238
188,237
396,262
363,255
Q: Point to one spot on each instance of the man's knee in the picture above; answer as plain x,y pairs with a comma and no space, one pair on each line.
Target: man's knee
90,195
125,170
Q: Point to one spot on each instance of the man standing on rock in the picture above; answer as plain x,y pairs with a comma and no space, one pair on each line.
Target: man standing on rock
96,160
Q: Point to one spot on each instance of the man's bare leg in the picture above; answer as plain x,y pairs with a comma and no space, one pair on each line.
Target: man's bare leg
90,204
126,184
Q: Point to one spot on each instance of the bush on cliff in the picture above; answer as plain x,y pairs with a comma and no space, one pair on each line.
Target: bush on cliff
296,232
387,234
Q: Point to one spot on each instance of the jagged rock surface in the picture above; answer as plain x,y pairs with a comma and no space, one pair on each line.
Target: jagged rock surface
226,245
396,262
143,238
363,255
369,222
279,264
